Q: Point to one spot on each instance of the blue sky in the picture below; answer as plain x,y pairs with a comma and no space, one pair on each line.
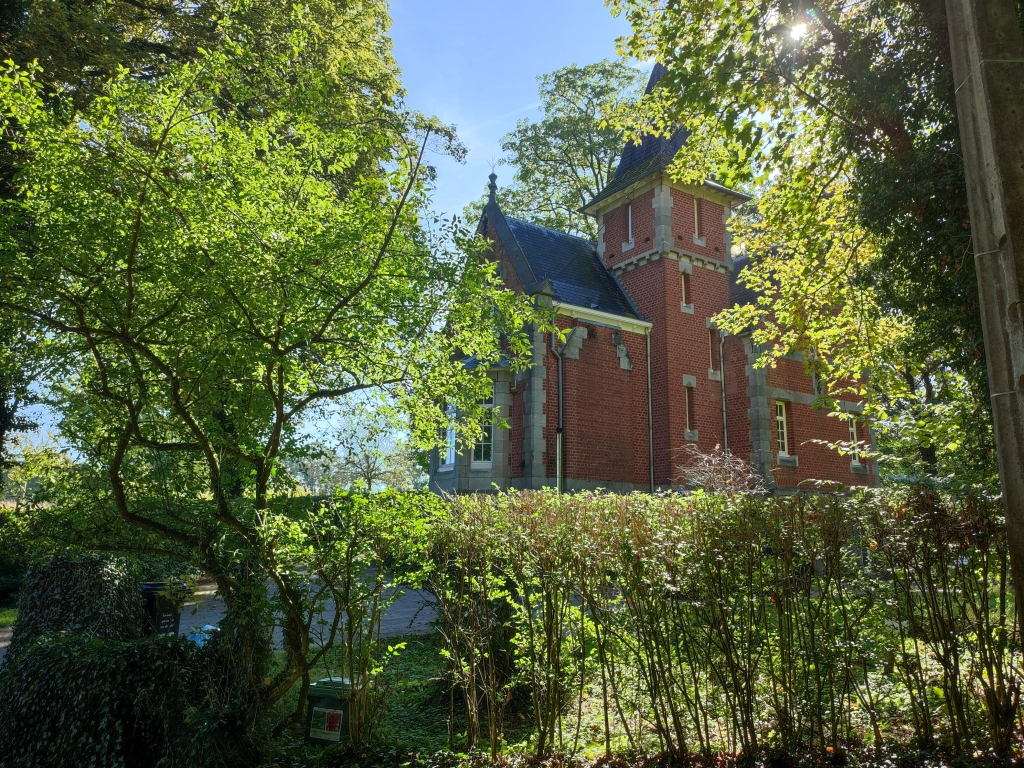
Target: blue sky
474,64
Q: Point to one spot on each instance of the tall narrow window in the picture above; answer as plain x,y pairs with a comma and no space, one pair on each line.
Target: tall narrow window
629,223
854,447
449,437
691,410
713,350
696,217
686,289
483,448
780,422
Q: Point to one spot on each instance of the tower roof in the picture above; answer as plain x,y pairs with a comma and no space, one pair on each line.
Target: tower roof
650,155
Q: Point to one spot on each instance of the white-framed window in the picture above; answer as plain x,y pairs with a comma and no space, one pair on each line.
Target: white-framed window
782,427
629,223
483,448
449,438
854,446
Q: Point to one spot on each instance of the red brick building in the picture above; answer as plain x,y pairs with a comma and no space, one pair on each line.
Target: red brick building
643,371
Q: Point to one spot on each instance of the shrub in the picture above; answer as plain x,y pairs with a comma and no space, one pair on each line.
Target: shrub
83,701
739,623
78,592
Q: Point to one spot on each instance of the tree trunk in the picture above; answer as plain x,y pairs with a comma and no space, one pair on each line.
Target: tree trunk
988,71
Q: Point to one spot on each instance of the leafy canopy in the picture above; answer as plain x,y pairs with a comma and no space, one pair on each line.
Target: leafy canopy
843,116
218,252
562,161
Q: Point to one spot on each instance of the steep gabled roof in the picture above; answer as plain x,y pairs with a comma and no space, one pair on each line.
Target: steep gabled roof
572,267
563,266
652,154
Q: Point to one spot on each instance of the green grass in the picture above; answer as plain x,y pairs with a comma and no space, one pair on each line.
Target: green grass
417,708
7,616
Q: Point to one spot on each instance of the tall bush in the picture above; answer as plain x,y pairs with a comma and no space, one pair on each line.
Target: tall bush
742,623
84,701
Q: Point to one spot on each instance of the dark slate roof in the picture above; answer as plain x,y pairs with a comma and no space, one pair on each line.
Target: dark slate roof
572,267
738,292
652,154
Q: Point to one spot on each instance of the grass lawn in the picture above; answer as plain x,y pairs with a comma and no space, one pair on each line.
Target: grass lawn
7,616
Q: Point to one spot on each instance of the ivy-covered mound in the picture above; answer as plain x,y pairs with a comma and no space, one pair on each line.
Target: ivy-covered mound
74,700
78,592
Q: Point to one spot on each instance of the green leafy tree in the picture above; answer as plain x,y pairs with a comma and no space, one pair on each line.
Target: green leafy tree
562,161
216,254
16,376
845,115
79,46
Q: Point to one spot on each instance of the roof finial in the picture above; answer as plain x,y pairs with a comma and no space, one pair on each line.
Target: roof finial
493,187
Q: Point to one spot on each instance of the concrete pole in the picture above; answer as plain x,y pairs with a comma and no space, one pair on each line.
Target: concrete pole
988,72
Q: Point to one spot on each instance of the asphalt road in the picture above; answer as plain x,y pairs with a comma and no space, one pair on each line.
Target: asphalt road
410,613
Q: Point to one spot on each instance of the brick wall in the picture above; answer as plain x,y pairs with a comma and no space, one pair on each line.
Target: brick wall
736,398
712,226
605,406
806,424
616,229
606,422
680,342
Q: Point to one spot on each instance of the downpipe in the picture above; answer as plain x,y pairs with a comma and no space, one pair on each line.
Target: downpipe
560,433
721,378
650,412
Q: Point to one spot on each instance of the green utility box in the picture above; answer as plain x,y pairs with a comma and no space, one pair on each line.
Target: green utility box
327,711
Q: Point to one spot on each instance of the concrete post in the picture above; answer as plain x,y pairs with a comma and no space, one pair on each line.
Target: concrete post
988,73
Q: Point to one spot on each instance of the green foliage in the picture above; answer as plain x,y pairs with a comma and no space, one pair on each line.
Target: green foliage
72,700
565,159
17,353
354,554
845,115
742,624
83,701
218,254
81,593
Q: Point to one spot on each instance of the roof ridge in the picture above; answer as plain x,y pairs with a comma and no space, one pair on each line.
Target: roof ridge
551,229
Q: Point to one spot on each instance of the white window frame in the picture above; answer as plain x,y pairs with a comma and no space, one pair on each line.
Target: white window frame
449,449
782,427
487,440
854,445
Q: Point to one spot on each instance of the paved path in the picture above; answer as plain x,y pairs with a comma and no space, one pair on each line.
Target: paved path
411,613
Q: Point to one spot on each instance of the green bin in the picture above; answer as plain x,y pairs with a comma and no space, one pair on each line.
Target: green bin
327,711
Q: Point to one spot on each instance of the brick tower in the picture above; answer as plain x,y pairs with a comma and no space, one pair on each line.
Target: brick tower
669,247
